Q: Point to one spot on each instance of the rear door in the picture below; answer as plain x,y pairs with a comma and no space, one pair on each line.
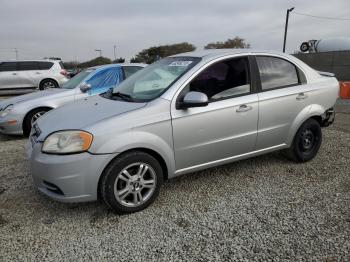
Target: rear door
283,94
28,73
8,75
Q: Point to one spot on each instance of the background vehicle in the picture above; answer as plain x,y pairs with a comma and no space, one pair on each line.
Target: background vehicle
73,72
19,113
213,107
32,74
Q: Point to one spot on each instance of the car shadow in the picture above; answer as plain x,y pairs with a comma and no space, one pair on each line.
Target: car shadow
11,137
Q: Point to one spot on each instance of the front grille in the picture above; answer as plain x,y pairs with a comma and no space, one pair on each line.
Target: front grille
52,188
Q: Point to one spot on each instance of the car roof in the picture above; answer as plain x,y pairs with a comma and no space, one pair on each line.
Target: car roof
117,65
32,60
216,53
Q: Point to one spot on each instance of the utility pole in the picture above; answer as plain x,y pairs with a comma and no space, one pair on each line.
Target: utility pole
16,51
115,56
286,28
99,50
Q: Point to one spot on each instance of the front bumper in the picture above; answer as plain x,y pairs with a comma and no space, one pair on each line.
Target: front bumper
11,125
67,178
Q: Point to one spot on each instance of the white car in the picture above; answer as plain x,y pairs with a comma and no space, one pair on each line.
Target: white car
33,74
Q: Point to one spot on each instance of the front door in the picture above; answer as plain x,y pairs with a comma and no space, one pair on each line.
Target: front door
225,128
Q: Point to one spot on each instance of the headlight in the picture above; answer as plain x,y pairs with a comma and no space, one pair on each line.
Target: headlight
67,142
6,111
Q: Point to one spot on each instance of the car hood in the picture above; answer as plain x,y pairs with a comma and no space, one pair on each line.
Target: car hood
50,93
83,113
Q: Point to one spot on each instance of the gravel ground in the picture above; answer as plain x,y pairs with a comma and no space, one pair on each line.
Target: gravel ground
265,208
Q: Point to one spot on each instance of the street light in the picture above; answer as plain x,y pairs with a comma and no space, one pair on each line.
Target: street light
286,28
99,50
115,56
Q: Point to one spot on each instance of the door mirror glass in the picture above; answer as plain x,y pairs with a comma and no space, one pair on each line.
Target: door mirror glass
84,87
194,99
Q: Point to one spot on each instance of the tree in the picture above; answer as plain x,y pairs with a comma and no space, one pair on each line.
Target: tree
95,62
154,53
236,42
119,60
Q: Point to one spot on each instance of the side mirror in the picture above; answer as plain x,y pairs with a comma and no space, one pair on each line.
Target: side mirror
194,99
84,87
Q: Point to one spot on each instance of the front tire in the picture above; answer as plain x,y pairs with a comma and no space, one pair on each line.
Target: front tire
307,142
131,182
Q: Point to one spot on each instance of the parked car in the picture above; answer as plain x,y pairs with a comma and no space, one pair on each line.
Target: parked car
218,106
73,72
19,113
33,74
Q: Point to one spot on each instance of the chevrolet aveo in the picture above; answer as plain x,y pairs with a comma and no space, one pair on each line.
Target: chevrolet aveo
181,114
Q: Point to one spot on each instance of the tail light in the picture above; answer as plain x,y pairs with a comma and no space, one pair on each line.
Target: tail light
64,72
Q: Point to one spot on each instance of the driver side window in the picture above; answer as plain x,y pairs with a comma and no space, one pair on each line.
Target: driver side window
223,80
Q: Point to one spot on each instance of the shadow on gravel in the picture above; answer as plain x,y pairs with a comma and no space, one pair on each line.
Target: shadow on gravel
10,138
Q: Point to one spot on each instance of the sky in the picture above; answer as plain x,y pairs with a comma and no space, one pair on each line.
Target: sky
73,29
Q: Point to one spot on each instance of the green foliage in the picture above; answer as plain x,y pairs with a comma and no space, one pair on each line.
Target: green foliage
119,60
154,53
95,62
236,42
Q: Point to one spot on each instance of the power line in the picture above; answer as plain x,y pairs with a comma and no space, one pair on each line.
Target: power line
322,17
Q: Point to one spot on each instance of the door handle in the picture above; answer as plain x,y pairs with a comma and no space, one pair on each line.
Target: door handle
243,108
14,74
38,73
301,96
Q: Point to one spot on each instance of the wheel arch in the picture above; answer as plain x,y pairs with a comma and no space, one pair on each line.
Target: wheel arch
314,111
32,110
149,151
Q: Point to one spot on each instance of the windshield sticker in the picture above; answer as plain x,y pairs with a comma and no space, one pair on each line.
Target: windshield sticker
180,63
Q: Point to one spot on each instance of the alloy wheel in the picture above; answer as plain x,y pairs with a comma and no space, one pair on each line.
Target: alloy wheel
48,85
36,116
135,184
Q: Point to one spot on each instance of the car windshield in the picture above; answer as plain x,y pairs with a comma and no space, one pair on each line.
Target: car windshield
77,79
152,81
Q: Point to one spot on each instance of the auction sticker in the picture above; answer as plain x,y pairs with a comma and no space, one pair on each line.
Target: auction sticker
180,63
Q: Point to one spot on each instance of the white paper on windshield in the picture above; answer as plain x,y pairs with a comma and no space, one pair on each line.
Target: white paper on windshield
180,63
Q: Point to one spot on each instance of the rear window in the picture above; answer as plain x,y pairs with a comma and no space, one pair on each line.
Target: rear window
28,65
45,65
276,72
7,66
61,64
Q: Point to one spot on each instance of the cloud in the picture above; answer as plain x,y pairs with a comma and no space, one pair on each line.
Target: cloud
74,29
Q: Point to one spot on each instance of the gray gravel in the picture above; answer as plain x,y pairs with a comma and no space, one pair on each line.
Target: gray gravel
265,208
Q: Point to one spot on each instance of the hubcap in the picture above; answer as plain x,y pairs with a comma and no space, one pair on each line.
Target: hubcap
307,139
135,184
36,116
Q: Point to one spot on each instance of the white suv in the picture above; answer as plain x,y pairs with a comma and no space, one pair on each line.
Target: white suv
33,74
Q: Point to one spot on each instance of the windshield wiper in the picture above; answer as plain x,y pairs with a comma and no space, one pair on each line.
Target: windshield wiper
123,96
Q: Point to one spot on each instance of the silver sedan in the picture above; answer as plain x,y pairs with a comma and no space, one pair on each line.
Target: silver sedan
181,114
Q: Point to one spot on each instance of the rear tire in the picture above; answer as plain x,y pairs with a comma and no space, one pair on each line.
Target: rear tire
31,117
131,182
306,142
47,84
